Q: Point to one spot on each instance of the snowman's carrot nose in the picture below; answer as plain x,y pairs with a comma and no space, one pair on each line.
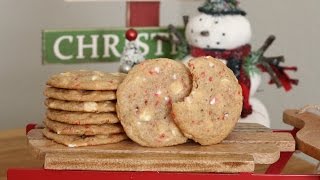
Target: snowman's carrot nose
204,33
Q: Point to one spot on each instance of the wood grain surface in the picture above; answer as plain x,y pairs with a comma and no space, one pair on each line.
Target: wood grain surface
244,147
14,153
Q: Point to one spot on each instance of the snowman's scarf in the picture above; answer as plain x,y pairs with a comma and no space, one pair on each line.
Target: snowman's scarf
237,53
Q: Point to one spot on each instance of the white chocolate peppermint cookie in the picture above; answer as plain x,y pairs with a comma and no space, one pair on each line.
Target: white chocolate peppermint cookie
214,105
79,95
144,101
89,106
86,80
79,141
81,118
88,129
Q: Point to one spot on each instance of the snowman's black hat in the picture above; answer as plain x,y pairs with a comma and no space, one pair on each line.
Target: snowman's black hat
221,7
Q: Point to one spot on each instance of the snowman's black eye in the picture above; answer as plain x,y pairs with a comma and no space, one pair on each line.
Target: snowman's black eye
218,43
223,34
200,19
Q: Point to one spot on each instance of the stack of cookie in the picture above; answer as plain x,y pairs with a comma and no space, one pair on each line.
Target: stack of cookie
81,108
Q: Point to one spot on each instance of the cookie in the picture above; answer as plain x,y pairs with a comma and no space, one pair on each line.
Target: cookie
79,95
212,109
101,106
69,129
144,101
81,118
78,141
86,80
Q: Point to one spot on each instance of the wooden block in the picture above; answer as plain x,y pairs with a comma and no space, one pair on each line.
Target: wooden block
266,154
230,163
283,140
308,138
251,127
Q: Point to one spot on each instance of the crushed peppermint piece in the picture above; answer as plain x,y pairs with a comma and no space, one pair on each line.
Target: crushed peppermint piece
158,93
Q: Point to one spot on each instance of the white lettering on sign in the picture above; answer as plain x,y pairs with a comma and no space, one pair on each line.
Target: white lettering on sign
56,48
145,47
92,46
159,51
110,43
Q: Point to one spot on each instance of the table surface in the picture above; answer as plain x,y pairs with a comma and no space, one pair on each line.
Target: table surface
14,153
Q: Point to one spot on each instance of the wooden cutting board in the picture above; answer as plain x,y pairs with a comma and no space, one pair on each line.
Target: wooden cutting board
238,153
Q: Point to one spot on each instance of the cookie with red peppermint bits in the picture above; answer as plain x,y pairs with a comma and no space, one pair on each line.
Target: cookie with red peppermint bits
213,107
144,101
86,80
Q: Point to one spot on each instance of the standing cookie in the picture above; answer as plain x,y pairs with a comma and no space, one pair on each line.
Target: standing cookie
144,101
212,109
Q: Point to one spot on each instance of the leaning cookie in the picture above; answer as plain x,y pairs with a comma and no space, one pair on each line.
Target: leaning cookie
144,101
78,141
86,80
212,109
81,118
89,130
79,95
80,106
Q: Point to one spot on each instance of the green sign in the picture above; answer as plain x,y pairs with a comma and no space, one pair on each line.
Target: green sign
101,45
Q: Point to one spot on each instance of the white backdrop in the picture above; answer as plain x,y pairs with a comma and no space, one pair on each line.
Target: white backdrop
23,77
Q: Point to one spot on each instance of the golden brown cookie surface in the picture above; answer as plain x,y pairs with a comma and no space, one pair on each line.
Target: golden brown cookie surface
78,141
79,95
101,106
214,105
81,118
70,129
86,80
144,101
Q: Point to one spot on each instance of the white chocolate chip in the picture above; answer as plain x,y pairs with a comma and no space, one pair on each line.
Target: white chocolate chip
213,101
66,74
174,77
226,115
173,132
211,64
176,87
94,77
157,70
166,98
72,145
145,116
90,106
188,100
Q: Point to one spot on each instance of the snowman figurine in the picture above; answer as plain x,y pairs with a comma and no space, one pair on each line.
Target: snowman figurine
221,30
